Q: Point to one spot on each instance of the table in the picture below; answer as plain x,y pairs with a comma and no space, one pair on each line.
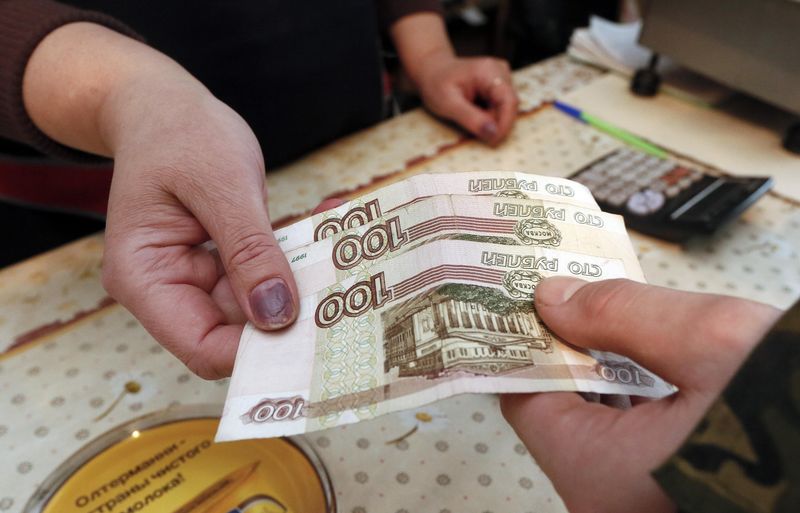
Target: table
69,349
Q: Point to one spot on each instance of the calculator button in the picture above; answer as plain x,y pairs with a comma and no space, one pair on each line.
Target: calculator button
601,194
658,185
680,172
642,180
617,199
684,182
629,189
645,202
672,191
652,161
664,166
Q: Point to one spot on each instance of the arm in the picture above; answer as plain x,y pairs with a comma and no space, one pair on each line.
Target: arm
187,169
450,86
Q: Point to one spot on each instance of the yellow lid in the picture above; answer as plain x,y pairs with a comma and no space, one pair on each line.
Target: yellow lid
176,467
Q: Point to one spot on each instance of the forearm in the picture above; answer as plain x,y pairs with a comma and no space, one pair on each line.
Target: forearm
420,38
77,75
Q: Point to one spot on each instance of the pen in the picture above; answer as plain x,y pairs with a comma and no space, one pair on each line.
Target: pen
611,130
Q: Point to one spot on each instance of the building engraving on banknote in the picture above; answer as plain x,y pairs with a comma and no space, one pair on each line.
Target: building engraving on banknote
461,327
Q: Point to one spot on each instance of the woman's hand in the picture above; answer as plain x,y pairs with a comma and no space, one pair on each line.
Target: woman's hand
187,170
600,458
477,93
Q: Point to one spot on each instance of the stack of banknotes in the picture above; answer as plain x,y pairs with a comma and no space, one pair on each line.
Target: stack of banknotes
424,289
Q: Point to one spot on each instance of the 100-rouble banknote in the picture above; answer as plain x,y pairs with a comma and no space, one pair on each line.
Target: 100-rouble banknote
448,317
537,224
374,205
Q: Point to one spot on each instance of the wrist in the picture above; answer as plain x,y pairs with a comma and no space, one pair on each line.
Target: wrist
149,104
422,43
421,65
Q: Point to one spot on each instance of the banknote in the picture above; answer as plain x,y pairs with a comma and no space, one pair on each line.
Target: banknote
448,317
374,205
538,224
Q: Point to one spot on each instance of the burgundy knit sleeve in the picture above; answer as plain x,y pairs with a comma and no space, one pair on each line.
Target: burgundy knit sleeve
390,11
23,24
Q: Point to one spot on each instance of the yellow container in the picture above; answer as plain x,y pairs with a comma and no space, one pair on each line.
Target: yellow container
168,462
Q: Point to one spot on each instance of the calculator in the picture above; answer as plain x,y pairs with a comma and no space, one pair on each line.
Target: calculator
665,199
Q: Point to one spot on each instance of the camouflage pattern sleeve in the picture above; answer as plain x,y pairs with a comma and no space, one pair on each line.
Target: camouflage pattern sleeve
744,456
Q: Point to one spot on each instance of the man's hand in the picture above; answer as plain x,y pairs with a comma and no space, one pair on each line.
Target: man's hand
600,458
187,169
476,93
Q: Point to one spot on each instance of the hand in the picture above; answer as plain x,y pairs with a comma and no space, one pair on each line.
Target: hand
187,169
600,458
451,86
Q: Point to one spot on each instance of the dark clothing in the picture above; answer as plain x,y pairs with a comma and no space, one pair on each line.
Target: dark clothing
23,24
744,456
301,73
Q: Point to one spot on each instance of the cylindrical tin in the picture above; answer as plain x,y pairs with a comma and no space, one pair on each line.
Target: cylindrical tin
168,462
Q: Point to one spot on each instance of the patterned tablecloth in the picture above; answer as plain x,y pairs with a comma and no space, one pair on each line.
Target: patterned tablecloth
69,349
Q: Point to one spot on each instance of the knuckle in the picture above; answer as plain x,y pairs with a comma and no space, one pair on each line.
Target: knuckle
249,248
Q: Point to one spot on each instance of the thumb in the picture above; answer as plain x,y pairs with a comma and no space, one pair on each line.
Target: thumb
479,122
690,339
259,274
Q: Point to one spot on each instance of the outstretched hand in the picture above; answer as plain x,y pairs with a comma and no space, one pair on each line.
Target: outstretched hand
600,458
187,170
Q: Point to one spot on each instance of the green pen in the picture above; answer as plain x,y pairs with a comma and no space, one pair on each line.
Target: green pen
612,130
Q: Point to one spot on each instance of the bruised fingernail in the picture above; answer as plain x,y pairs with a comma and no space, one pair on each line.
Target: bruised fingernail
271,303
557,290
488,130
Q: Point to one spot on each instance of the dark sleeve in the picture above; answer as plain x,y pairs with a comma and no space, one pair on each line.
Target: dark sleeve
390,11
23,24
744,456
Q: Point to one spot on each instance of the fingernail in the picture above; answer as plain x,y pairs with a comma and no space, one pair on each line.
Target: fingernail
557,290
271,303
488,130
